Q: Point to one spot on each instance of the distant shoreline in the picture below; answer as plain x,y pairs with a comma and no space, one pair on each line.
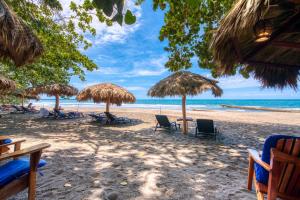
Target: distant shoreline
192,104
259,108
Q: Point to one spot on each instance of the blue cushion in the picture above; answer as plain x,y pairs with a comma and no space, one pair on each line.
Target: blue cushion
262,175
6,141
15,168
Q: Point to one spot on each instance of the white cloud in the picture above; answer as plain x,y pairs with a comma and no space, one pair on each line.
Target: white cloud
151,67
109,34
135,88
148,67
238,81
105,58
107,71
82,84
121,80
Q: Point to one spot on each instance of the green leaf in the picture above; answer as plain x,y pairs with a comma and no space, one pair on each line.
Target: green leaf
118,18
188,27
54,4
129,18
105,5
73,6
62,42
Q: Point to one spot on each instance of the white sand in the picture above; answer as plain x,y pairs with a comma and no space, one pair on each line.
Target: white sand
90,161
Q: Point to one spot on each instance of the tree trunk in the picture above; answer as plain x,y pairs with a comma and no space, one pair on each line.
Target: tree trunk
184,115
56,102
107,106
22,101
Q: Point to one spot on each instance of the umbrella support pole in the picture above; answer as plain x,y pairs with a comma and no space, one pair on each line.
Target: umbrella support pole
56,102
184,114
107,106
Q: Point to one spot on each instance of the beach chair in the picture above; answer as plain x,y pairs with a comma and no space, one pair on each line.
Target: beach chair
4,140
61,115
76,114
19,172
206,128
112,119
6,109
277,172
18,110
26,110
32,108
163,122
58,114
44,113
29,110
98,118
6,143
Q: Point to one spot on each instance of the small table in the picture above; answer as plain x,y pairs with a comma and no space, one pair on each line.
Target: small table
188,119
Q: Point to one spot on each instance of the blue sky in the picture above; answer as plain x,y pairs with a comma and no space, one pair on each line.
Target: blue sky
133,57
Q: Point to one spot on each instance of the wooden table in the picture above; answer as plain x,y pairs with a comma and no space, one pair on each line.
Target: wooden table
188,119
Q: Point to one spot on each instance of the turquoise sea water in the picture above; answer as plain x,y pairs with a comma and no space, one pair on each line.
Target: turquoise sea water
209,104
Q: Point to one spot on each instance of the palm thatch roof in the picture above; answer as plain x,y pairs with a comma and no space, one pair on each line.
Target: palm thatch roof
106,92
25,94
54,90
274,61
6,84
17,41
184,83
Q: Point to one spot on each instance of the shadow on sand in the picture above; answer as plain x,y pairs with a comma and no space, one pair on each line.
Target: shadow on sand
88,161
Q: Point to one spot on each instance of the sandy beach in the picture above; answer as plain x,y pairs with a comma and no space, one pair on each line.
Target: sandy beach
91,161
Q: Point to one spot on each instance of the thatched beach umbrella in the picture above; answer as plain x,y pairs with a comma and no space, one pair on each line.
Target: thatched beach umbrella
56,90
108,93
25,94
6,84
184,83
261,37
17,41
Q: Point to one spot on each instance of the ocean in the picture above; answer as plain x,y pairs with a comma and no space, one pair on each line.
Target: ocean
192,104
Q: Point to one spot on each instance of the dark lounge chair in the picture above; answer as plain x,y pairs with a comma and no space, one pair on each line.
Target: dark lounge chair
277,171
61,115
112,119
19,172
206,128
25,109
19,110
163,122
98,118
29,110
70,115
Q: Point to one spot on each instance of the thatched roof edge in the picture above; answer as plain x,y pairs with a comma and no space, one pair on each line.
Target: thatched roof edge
105,92
184,83
18,42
